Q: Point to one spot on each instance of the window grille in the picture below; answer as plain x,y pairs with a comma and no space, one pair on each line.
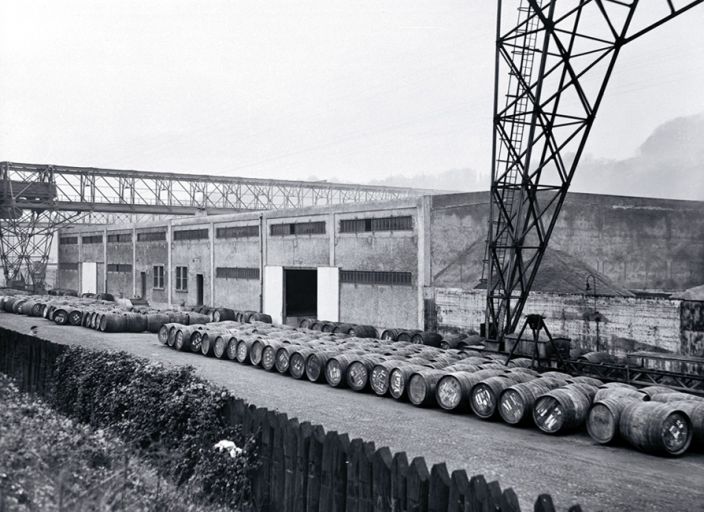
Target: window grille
298,228
237,232
119,267
120,238
404,223
67,265
92,239
181,279
152,236
237,273
191,234
376,277
158,271
68,240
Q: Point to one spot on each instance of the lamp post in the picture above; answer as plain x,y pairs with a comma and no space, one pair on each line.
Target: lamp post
596,313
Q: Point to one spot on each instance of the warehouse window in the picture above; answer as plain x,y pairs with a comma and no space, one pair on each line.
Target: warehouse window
67,265
120,238
68,240
298,228
375,277
404,223
237,273
92,239
158,276
181,279
153,236
119,267
237,232
191,234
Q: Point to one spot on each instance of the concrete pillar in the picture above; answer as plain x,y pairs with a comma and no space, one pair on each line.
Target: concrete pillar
105,259
80,264
212,264
169,270
423,280
333,231
134,261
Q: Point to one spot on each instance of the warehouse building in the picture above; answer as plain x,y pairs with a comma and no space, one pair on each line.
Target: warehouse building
414,263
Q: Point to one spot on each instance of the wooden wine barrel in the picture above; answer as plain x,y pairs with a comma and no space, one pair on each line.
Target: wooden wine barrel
604,415
244,349
261,317
305,323
231,350
220,347
615,392
60,316
315,364
390,334
588,380
561,409
406,335
182,339
163,334
269,354
422,386
655,427
399,377
297,362
454,389
156,320
485,395
597,357
37,309
197,341
695,413
207,343
655,390
675,396
336,369
283,357
379,377
557,375
362,331
112,323
75,317
516,402
359,371
431,339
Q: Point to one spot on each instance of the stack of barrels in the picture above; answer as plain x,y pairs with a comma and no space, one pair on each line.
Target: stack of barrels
414,336
455,380
654,419
109,316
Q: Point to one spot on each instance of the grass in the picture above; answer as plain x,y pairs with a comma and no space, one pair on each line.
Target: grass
49,462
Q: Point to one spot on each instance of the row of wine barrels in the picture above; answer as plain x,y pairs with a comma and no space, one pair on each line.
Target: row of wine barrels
564,408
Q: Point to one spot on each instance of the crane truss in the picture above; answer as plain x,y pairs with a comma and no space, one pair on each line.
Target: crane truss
555,61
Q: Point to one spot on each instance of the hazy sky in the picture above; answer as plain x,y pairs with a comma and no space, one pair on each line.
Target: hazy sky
349,90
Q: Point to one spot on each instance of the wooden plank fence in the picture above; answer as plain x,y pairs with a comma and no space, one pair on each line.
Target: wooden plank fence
305,469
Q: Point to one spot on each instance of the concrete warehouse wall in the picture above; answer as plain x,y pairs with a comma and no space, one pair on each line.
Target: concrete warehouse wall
629,323
147,255
394,251
639,243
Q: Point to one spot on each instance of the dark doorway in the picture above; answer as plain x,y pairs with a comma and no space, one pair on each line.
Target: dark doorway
301,294
199,289
143,276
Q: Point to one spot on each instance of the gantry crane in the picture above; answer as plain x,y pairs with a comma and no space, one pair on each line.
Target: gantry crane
554,62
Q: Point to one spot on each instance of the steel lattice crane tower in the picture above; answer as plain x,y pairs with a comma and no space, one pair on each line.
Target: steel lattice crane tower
553,63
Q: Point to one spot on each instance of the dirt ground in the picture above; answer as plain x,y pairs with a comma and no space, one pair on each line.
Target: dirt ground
572,468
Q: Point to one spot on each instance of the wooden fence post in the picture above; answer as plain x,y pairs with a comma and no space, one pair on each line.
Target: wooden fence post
327,469
381,483
417,486
341,466
291,428
315,455
459,490
301,488
399,474
544,504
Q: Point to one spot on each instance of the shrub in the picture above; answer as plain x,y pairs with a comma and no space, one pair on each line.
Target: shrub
159,410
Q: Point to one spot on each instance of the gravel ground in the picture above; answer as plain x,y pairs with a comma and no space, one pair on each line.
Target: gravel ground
573,469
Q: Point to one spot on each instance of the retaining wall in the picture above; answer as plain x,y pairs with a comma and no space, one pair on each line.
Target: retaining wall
303,467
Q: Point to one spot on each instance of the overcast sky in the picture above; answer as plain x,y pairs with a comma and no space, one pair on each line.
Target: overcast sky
347,90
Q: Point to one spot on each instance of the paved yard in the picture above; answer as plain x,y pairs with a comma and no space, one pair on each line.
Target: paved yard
571,468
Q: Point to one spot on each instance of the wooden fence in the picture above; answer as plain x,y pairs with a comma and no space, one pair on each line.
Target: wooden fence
305,469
